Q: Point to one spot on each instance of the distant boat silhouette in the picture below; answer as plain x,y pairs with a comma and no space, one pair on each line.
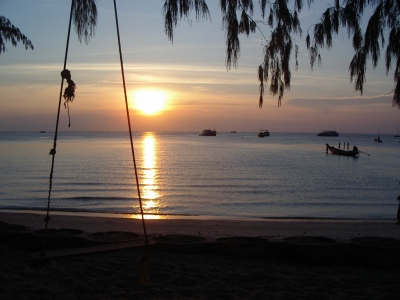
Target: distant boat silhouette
328,133
208,132
263,133
397,135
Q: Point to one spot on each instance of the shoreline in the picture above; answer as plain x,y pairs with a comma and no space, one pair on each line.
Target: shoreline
149,216
210,227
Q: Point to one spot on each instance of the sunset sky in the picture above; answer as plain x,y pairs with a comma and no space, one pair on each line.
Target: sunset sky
190,73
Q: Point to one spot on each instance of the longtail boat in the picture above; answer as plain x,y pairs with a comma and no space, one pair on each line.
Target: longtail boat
342,152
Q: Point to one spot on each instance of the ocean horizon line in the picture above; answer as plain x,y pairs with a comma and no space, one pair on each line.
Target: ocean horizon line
177,131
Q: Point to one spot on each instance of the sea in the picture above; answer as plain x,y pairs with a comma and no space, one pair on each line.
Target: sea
182,174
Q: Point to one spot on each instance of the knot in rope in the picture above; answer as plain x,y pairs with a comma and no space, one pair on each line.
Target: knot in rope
69,92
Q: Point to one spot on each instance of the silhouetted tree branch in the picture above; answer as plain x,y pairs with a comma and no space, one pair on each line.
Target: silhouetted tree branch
277,49
385,16
85,18
8,32
283,21
173,10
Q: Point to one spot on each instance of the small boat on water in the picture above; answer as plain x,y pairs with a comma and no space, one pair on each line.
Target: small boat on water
342,152
328,133
397,134
378,139
42,131
208,132
263,133
233,131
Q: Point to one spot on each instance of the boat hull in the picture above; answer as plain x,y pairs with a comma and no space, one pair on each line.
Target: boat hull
263,133
208,132
341,152
328,133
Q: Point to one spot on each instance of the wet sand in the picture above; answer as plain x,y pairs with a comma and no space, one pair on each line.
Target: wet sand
213,228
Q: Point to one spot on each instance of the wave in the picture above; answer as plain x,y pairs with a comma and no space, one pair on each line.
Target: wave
84,198
94,212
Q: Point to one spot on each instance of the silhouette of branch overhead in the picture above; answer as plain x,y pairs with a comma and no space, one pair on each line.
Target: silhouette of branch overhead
10,33
174,10
84,18
281,18
367,46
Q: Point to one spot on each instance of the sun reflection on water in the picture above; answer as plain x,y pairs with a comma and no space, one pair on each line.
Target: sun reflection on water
148,216
148,179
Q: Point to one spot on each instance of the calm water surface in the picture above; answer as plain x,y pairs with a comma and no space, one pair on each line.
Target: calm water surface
230,175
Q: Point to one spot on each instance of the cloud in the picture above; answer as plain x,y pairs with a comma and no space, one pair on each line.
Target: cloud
340,103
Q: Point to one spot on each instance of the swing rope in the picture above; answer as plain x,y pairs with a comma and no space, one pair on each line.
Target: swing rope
129,122
53,151
66,75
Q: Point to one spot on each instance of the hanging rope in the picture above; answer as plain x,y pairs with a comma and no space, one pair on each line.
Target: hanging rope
129,123
53,150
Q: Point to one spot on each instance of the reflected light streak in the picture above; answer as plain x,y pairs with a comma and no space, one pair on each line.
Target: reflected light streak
159,216
149,187
148,216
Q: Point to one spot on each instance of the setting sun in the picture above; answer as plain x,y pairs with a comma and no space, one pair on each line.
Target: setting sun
149,102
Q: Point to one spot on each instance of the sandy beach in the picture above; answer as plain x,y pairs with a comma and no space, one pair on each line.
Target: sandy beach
122,274
213,228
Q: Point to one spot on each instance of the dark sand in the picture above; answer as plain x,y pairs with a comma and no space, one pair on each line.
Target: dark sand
204,275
